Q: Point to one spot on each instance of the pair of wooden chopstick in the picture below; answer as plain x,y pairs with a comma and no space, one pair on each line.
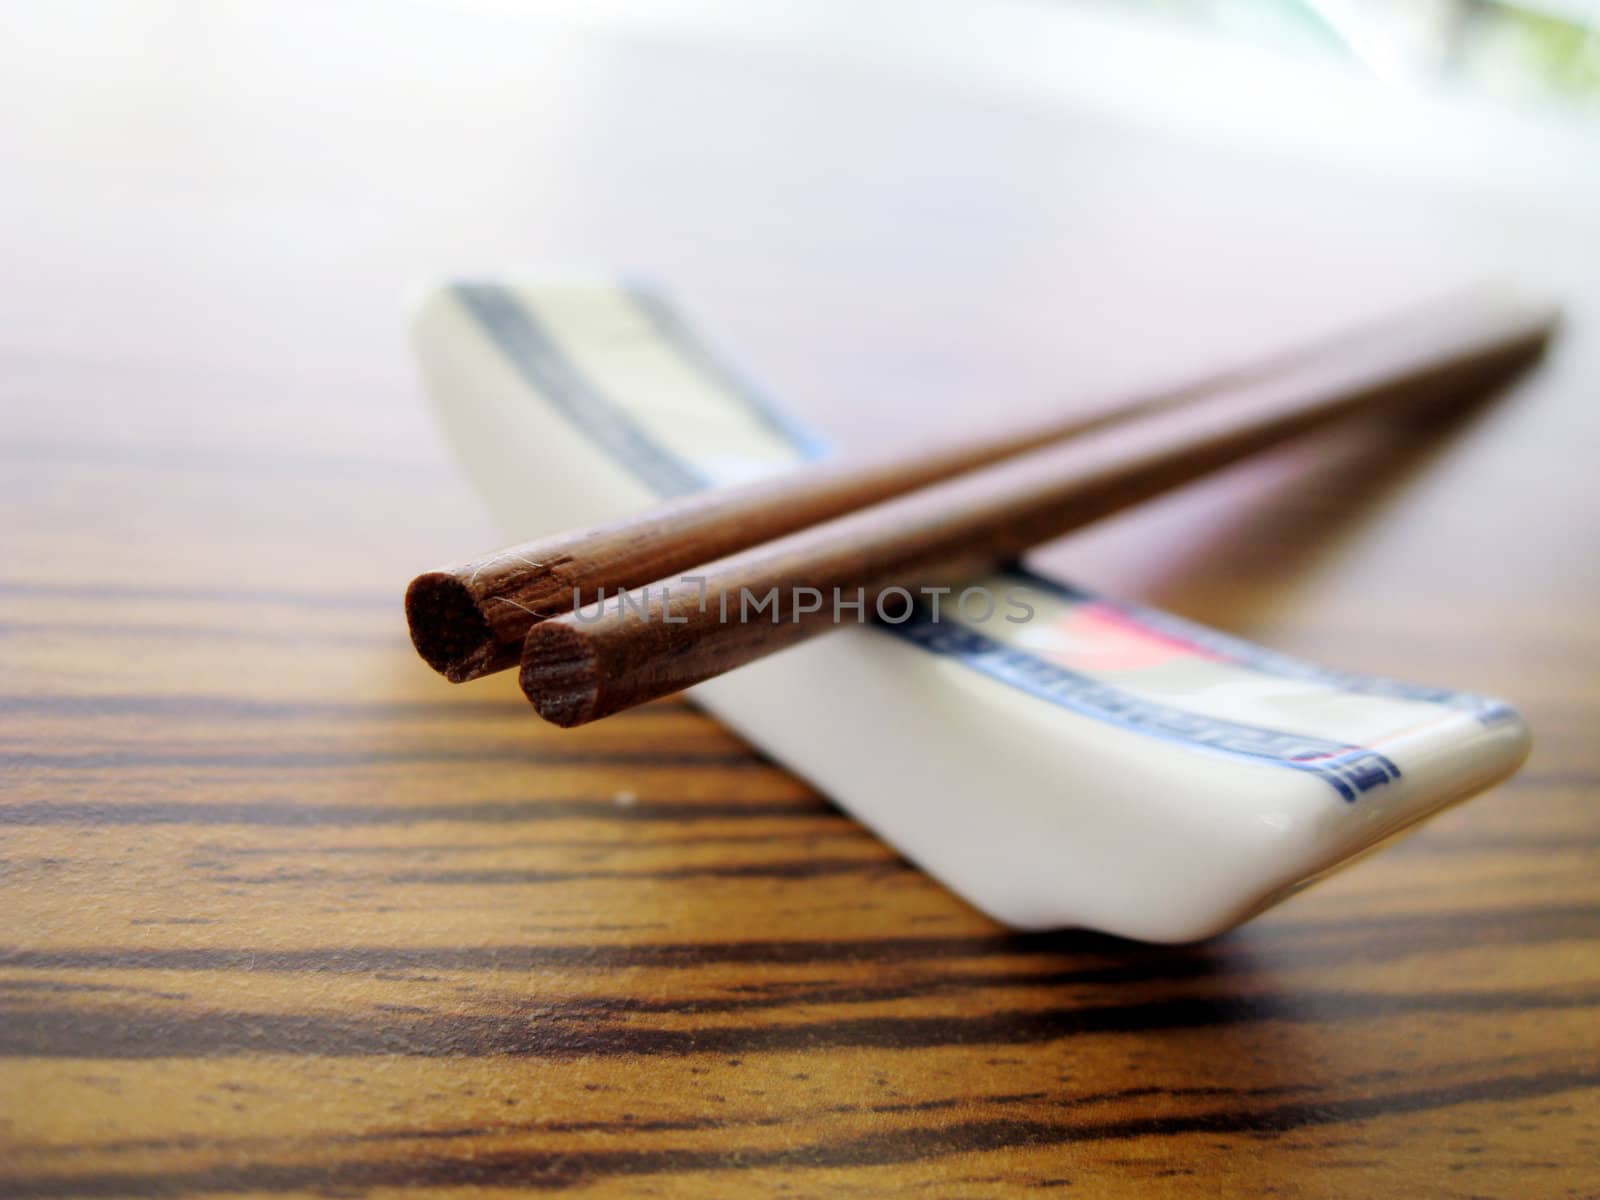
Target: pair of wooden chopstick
860,527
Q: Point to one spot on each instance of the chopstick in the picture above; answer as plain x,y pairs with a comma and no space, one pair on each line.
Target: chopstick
470,619
675,633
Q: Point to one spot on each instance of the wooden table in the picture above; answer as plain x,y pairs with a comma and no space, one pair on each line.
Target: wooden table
285,913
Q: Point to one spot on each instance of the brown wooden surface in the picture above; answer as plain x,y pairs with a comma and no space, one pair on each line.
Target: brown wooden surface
284,912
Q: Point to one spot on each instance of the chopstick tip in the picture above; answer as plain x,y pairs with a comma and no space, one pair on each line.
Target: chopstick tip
447,627
561,674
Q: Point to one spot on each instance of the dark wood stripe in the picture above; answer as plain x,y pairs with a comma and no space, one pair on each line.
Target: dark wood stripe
1449,845
287,759
553,1170
796,868
512,812
452,706
825,825
1358,938
83,1032
456,1132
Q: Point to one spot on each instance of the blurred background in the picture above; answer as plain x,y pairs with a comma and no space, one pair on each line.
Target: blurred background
928,207
1247,66
1534,52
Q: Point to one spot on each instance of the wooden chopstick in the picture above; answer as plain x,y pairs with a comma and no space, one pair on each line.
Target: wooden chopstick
577,668
470,619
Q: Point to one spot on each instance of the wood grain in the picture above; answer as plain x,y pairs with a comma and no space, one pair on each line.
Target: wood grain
286,914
